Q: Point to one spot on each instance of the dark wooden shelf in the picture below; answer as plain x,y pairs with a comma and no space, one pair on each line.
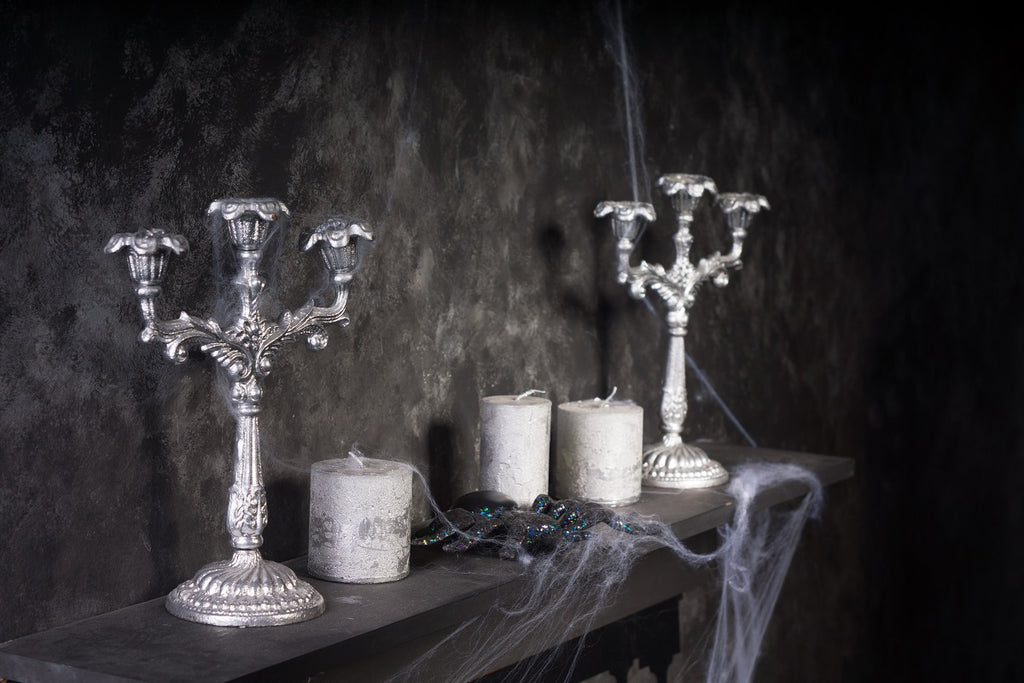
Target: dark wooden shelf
369,630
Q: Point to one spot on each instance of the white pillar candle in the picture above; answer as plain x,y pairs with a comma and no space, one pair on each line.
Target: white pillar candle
599,451
359,520
515,443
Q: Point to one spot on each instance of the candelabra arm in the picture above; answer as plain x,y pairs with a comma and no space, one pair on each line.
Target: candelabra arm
147,304
185,331
654,277
310,321
739,209
623,250
716,266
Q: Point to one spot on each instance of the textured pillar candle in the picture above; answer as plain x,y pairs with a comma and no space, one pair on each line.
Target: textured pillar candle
599,451
515,442
359,521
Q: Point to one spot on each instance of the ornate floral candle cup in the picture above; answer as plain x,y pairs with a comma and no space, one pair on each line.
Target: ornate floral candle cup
337,238
740,208
627,220
685,190
248,221
627,217
148,252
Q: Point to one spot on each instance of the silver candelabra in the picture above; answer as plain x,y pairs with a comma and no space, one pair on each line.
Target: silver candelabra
672,463
246,590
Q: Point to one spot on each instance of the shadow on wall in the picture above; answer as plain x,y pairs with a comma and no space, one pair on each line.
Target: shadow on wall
441,456
591,312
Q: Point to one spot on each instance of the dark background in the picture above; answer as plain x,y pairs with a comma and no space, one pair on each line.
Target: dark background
878,315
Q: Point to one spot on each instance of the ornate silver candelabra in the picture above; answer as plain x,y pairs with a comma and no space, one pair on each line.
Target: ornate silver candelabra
246,590
672,463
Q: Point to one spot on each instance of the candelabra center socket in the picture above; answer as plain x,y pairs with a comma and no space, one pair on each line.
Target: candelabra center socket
685,190
249,221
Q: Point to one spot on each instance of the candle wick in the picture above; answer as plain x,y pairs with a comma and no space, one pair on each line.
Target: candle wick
605,401
356,455
531,392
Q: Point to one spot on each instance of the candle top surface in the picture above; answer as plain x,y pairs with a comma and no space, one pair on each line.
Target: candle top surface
514,400
358,467
600,406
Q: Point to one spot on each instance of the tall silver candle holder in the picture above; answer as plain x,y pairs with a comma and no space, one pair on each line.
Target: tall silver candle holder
671,463
246,590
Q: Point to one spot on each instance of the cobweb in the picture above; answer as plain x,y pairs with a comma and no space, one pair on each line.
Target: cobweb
562,593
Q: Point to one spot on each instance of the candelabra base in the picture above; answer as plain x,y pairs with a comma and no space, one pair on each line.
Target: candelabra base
245,591
680,466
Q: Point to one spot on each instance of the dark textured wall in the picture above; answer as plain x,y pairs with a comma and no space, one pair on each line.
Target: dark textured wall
878,315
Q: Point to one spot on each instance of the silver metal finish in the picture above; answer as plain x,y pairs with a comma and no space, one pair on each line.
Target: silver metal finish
246,590
672,463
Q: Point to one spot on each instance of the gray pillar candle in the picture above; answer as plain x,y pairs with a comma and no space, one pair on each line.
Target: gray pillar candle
515,443
598,451
359,520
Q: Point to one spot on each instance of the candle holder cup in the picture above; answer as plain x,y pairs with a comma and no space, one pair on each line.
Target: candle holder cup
246,590
671,463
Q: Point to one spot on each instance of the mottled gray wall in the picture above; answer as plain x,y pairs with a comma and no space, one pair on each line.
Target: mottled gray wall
877,315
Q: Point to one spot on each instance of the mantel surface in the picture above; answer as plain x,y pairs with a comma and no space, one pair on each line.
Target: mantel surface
145,643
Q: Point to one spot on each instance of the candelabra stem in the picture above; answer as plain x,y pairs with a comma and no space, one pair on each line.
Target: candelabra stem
247,499
683,240
249,282
246,590
673,392
672,463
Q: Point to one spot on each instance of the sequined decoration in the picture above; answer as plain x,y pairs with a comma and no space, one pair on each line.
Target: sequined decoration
489,523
